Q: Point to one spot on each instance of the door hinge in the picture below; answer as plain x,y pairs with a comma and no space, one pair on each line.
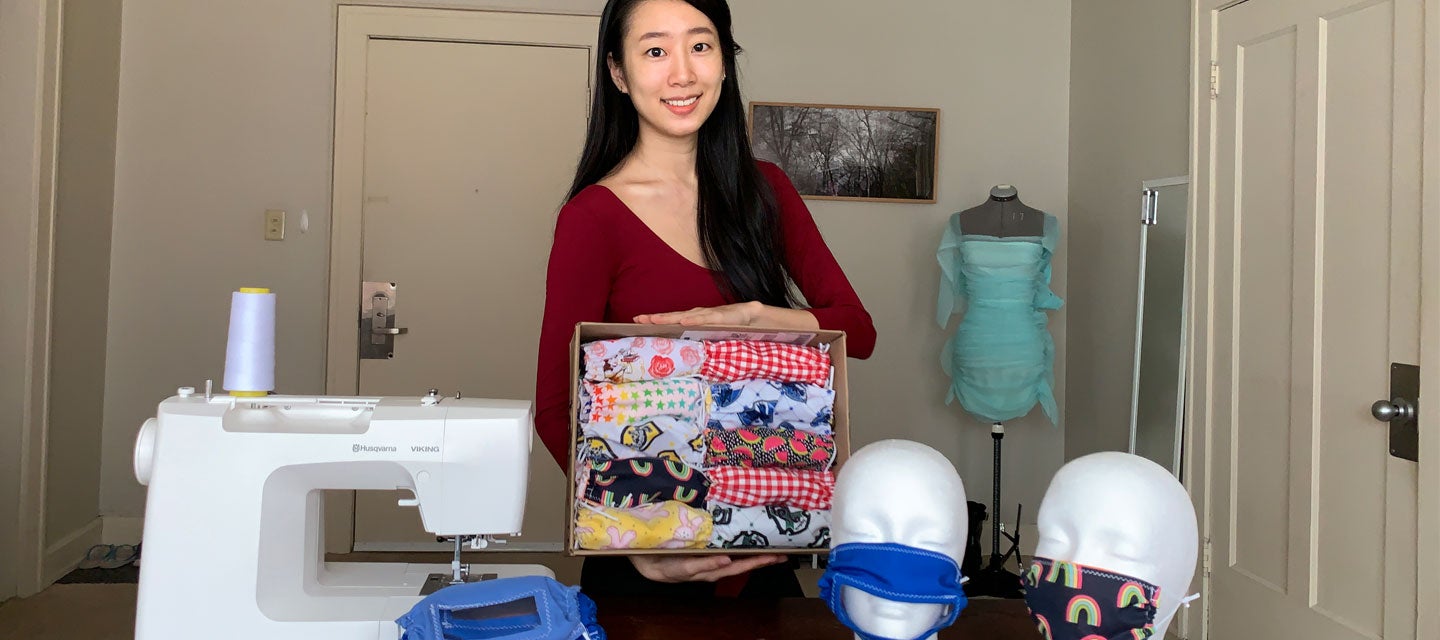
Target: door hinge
1214,80
1149,206
1205,589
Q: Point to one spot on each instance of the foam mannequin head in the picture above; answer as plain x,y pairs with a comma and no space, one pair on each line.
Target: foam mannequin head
902,492
1124,514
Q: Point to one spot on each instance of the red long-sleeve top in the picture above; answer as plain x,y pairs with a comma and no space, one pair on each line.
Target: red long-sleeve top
606,265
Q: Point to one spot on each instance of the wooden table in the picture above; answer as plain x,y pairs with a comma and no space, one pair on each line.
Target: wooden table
786,619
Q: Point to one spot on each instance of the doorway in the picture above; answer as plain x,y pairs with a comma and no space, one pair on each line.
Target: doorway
457,134
30,41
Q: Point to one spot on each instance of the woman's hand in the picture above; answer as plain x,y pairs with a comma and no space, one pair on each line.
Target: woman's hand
743,314
699,568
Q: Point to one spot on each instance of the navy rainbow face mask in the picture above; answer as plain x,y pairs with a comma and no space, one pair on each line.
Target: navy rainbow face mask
1069,601
893,572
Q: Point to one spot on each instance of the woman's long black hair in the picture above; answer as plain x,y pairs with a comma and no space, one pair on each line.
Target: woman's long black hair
738,218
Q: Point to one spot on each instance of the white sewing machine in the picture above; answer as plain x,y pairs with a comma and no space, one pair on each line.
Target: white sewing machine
234,523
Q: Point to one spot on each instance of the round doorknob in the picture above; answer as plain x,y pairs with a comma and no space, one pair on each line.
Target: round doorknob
1392,410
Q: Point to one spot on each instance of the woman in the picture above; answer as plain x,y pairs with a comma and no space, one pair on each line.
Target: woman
671,220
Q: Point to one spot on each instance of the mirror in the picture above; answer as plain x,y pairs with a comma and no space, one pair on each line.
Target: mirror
1158,392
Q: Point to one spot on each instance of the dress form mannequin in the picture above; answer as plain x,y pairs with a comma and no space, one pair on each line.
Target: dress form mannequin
904,492
1003,215
1126,515
1005,357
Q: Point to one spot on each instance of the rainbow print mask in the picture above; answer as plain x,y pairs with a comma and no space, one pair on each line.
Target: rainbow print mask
1075,602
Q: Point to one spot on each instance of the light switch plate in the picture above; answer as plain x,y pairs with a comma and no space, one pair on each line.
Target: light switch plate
274,224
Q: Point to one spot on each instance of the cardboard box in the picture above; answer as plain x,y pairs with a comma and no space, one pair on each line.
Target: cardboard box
587,332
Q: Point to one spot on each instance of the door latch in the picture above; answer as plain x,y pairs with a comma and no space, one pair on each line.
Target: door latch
377,321
1402,411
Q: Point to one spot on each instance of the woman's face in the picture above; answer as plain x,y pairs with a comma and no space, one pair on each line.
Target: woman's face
672,68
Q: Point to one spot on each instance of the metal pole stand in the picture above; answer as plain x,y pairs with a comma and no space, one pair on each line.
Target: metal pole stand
994,581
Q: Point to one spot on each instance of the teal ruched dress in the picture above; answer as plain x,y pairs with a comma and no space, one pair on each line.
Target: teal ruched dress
1001,357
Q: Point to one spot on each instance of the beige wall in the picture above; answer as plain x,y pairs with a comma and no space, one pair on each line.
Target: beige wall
999,72
225,112
85,186
1129,122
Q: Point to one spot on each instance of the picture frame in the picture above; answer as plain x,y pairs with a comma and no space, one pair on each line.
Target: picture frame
851,152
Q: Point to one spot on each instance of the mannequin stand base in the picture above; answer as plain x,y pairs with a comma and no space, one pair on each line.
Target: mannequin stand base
994,582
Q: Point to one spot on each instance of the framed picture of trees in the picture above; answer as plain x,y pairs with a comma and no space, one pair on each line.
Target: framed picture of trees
843,152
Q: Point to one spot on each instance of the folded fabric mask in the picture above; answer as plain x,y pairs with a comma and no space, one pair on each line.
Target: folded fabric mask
768,447
631,403
635,482
773,526
664,525
732,360
520,608
895,572
766,403
1068,601
643,358
664,437
745,487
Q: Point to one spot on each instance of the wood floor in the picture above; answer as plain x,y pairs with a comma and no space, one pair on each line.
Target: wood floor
72,612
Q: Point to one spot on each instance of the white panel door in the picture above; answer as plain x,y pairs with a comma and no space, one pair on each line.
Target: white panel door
467,150
1316,270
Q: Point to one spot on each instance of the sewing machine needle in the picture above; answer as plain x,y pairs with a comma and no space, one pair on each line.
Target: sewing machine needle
455,564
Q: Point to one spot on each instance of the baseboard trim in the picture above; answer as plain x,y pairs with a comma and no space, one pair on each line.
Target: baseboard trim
65,555
122,529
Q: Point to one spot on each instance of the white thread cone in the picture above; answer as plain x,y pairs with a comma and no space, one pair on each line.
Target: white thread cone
250,351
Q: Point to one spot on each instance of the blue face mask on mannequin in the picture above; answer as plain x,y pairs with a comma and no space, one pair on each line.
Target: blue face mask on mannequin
522,608
894,572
